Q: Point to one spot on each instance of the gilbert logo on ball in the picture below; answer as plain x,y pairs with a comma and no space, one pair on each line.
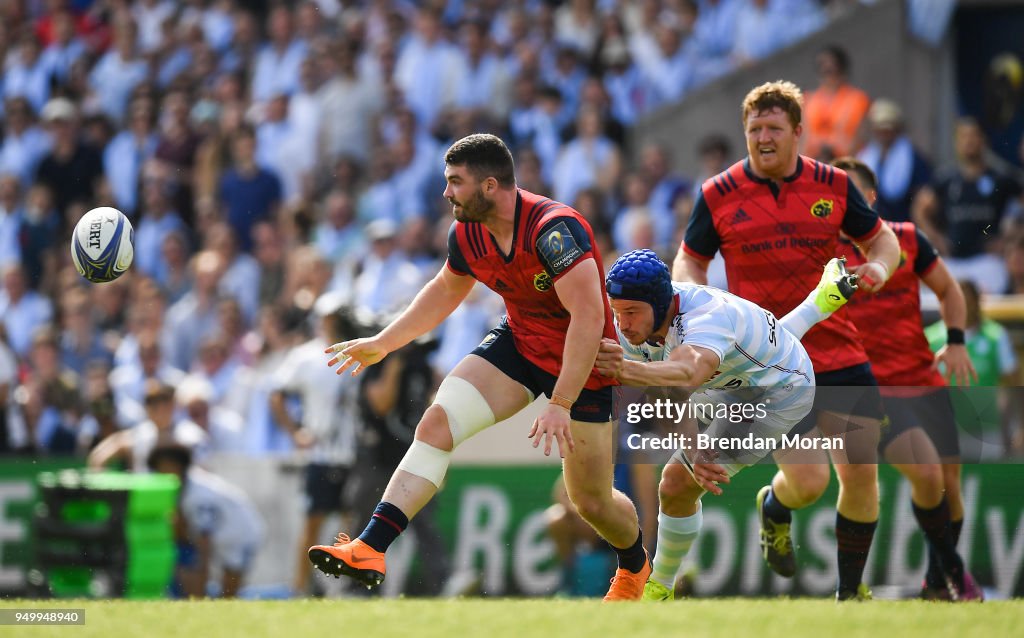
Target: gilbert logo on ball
103,244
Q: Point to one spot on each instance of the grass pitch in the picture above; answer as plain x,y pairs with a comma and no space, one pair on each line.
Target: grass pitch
731,618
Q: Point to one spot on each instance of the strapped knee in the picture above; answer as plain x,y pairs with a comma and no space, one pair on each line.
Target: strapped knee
467,410
426,461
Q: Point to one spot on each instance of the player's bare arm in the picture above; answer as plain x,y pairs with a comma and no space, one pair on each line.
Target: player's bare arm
689,269
579,290
116,446
686,366
923,212
953,309
882,251
438,299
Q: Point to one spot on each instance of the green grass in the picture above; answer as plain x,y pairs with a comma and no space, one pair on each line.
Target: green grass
728,618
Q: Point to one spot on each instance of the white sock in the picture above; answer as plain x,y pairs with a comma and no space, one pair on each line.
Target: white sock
675,536
803,317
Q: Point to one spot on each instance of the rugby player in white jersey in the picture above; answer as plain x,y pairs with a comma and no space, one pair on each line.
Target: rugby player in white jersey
754,380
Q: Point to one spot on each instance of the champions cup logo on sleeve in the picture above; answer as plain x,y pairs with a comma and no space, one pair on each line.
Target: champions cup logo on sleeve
559,248
822,208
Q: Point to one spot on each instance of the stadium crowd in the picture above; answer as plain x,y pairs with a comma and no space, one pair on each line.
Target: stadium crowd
281,166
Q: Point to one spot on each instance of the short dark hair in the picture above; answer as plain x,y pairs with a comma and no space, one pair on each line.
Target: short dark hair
484,156
177,454
859,168
841,57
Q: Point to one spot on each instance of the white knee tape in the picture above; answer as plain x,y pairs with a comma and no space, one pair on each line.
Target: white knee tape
426,461
467,409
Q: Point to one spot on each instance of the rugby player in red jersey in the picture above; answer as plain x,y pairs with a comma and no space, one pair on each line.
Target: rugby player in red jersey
540,256
776,218
921,427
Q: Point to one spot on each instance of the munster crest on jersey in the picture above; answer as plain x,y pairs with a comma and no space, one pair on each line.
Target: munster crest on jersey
822,208
542,281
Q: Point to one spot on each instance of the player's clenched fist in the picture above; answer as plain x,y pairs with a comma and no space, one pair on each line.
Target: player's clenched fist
871,276
609,359
356,354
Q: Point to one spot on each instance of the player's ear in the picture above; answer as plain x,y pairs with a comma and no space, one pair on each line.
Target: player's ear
798,130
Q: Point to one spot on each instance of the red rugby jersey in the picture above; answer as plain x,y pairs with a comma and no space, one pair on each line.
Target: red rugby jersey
890,320
550,238
776,240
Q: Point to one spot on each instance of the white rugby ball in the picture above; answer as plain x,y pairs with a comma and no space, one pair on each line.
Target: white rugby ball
103,244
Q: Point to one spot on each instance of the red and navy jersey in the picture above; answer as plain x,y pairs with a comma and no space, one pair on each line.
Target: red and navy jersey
550,238
776,239
890,320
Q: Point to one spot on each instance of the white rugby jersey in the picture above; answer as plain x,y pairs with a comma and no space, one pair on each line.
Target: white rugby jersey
757,354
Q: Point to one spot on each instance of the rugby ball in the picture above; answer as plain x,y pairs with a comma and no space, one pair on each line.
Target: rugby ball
103,244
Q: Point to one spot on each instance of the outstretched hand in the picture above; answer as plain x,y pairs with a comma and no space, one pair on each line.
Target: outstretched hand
959,369
553,422
709,474
357,354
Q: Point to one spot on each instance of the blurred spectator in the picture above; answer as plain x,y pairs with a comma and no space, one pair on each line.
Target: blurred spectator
280,147
577,25
986,410
72,167
194,317
1014,255
99,418
38,234
272,338
669,67
50,398
487,86
81,344
347,102
834,111
250,193
338,236
326,427
428,70
129,379
118,72
670,193
24,143
127,153
269,252
962,210
241,271
131,447
217,527
277,64
383,280
157,218
628,93
195,395
216,364
634,215
591,159
27,74
23,310
900,167
65,49
176,279
151,15
11,211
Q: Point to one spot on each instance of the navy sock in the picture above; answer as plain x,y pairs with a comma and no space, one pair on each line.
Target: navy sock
633,557
384,527
933,577
854,541
775,510
935,524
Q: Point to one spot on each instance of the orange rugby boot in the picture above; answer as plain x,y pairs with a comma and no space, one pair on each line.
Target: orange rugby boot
354,559
629,586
